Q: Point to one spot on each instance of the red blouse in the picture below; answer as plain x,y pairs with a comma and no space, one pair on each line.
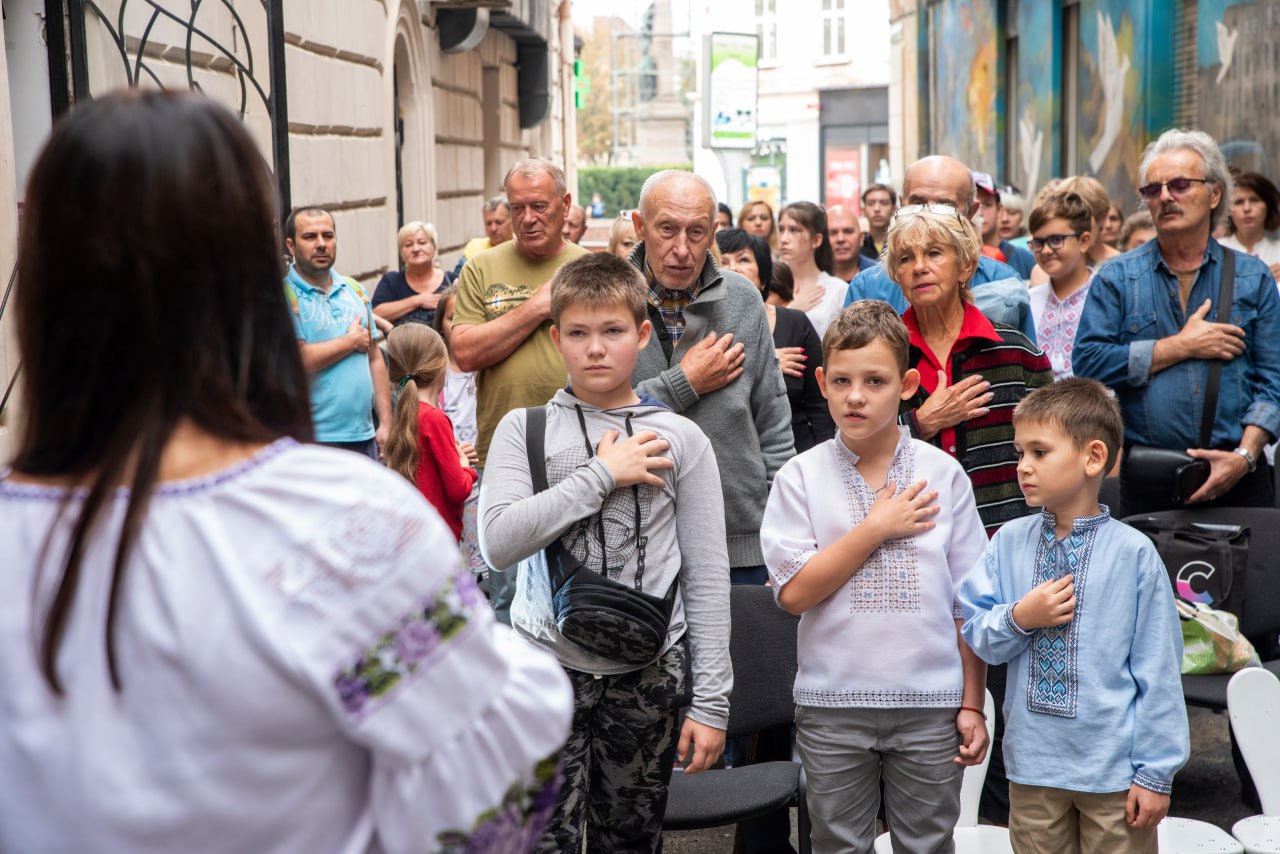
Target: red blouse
440,475
974,327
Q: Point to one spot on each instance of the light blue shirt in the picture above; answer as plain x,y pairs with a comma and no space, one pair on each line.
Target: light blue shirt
1133,302
1094,705
341,394
998,292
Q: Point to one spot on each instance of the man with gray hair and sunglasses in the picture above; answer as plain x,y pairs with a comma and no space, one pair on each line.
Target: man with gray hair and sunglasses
944,183
1185,344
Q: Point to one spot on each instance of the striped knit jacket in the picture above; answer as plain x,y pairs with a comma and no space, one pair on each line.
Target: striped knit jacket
984,446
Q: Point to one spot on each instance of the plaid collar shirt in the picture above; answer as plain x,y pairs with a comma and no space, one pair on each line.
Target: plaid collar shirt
670,303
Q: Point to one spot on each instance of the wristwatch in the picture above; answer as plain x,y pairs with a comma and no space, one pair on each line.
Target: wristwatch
1248,458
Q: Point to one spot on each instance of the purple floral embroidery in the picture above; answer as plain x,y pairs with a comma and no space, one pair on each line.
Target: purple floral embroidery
515,825
352,691
415,641
398,654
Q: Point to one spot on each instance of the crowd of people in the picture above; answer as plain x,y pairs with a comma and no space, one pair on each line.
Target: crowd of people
899,417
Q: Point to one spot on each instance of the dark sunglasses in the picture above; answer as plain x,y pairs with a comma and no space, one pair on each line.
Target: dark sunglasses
1053,241
1177,186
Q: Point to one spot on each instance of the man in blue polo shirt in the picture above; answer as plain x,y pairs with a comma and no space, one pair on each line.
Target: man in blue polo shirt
333,321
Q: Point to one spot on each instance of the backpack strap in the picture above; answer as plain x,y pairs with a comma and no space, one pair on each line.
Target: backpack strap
535,440
291,294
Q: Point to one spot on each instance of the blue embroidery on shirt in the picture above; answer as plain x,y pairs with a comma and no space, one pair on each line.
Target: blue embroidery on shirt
1052,678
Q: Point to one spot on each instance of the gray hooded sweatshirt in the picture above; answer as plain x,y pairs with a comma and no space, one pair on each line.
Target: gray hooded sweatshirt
683,521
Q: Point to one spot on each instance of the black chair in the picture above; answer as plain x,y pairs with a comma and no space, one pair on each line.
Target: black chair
1110,493
1260,621
763,650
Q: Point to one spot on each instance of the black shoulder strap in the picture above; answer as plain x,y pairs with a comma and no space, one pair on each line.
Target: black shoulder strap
660,330
535,441
1226,293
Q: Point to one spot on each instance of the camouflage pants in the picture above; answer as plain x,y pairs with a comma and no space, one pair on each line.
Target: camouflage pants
617,763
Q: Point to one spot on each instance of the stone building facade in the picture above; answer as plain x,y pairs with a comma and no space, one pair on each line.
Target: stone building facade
382,111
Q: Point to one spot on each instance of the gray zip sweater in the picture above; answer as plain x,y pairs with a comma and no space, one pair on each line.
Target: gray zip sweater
683,521
749,420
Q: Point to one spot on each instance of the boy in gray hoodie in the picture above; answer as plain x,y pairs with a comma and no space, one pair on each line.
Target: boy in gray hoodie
601,440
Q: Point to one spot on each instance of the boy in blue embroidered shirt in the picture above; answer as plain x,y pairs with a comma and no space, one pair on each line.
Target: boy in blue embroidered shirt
1080,607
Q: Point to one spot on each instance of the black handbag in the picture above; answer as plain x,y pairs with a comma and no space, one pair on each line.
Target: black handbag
1207,562
599,614
1165,477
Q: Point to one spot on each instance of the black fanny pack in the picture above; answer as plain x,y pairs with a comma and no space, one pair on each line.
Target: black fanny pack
1165,477
603,616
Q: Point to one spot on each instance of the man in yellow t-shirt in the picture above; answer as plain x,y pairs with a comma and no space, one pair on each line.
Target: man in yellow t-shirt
503,313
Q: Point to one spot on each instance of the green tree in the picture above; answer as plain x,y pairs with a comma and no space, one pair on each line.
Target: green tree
595,119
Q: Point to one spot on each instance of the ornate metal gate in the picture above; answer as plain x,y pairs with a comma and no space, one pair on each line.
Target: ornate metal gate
232,50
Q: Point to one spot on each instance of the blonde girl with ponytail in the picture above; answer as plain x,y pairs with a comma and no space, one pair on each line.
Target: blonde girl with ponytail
421,445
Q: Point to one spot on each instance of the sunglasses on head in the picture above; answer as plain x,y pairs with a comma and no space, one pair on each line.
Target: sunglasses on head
915,210
1177,186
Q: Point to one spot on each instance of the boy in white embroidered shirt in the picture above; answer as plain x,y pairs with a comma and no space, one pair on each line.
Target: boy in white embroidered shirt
866,536
1079,605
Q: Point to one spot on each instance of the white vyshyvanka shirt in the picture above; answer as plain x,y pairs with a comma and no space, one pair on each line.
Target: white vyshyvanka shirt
305,668
887,637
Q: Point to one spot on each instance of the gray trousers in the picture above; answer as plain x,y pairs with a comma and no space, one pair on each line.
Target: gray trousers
848,752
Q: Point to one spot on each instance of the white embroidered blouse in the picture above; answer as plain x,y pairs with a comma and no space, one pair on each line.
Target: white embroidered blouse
887,637
305,668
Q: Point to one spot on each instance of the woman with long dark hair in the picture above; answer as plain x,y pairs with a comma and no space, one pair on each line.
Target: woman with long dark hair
797,343
804,242
218,637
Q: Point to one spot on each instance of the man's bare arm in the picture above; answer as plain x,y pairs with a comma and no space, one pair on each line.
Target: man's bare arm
324,354
480,345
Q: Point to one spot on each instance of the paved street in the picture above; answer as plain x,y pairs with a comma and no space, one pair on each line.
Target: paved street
1206,789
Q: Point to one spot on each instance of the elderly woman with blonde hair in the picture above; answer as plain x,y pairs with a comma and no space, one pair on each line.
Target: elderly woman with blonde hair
972,371
412,295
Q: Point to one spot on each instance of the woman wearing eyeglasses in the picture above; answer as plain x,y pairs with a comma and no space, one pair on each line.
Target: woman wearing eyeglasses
972,371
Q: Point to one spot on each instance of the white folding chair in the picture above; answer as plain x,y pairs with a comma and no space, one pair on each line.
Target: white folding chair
1253,704
1188,836
970,838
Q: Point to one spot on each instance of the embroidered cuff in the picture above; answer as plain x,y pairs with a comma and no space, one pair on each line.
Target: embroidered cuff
1151,784
789,567
1140,354
957,613
1012,625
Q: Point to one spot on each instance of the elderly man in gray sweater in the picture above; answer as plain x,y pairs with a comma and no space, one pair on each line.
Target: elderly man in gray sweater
711,356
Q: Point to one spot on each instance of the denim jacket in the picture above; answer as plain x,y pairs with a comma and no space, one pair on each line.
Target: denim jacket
1133,303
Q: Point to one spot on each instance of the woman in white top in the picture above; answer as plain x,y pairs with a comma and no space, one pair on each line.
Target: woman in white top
1255,210
218,639
805,244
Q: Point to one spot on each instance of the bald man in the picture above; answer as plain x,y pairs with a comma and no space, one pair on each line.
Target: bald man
711,355
998,290
846,242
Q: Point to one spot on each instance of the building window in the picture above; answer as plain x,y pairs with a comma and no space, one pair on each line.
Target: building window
833,27
767,29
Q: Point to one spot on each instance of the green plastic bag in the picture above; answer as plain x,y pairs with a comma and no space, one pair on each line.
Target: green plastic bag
1211,641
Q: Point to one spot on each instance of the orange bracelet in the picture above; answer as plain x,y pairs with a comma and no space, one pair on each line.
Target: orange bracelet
972,709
